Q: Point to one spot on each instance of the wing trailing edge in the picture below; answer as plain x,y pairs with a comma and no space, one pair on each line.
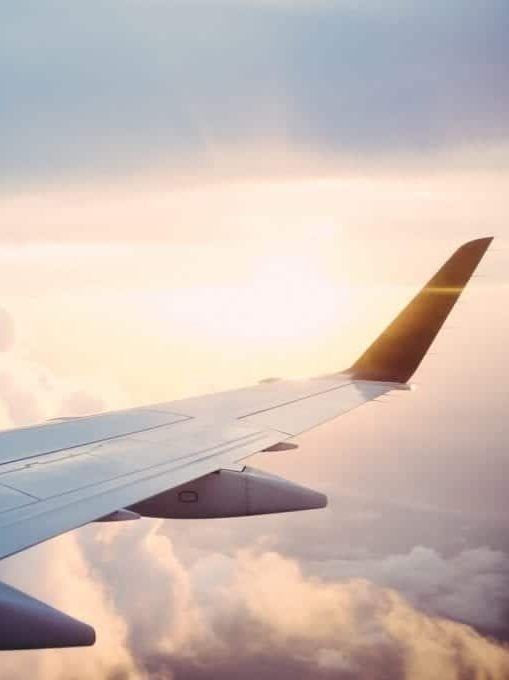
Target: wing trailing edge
398,351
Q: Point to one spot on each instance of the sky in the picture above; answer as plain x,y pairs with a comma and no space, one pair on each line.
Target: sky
198,195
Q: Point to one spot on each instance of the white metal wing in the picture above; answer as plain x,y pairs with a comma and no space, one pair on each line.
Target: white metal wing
181,459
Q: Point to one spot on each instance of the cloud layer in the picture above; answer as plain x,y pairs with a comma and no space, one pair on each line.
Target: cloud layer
118,87
254,611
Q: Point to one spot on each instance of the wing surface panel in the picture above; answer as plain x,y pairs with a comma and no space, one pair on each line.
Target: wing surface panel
29,442
46,480
30,524
247,400
304,414
67,489
10,498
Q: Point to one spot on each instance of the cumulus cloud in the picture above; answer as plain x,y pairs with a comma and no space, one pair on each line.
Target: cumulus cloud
256,610
156,601
470,586
58,573
30,392
371,626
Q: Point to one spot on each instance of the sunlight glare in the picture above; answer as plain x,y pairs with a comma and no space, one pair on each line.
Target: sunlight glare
289,299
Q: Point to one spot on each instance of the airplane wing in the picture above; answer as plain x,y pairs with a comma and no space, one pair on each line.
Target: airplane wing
185,458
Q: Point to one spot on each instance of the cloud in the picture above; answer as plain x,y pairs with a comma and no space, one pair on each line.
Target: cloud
255,611
162,614
392,207
30,392
58,573
359,620
117,88
260,611
6,331
470,586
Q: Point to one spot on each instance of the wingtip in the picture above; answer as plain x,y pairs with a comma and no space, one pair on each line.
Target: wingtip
482,244
399,350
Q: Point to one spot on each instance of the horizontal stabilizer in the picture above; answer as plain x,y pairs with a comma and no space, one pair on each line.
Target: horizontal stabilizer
397,353
27,623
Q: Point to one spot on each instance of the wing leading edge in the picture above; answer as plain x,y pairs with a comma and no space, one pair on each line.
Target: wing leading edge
62,475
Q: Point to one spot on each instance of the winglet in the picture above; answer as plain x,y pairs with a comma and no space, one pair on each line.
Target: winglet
399,350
